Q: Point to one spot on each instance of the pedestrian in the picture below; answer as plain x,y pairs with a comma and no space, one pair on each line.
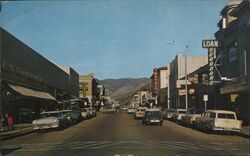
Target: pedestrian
10,122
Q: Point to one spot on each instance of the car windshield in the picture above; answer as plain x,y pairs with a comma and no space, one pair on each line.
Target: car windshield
226,116
50,115
153,113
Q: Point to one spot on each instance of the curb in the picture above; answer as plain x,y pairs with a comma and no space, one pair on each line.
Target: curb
12,136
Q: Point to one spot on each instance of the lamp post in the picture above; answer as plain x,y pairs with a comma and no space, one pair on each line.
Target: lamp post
185,49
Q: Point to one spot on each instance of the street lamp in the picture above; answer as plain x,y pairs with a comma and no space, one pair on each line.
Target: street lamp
185,49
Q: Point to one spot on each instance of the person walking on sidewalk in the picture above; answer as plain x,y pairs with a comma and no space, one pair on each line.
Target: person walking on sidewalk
10,122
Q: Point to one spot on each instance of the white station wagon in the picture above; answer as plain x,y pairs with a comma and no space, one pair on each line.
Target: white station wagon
219,120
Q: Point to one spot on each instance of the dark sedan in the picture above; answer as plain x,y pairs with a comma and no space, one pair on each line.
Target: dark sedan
152,116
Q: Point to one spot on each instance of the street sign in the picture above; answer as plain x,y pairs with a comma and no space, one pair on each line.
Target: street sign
205,97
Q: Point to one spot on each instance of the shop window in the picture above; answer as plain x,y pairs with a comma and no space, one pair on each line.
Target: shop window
233,51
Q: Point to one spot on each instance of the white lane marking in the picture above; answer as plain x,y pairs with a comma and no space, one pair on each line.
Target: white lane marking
129,144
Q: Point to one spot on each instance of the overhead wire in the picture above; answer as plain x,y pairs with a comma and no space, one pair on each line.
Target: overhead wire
59,50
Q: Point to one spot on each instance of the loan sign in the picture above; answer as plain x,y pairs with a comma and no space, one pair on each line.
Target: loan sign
211,45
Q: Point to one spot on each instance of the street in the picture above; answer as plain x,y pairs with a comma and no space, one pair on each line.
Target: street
121,134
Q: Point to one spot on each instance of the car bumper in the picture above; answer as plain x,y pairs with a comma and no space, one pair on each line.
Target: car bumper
152,122
45,126
225,129
139,116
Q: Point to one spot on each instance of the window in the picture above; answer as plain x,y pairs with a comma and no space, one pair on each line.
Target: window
226,116
212,115
207,115
233,51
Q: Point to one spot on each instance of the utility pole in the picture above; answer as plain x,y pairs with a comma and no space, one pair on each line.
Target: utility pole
186,87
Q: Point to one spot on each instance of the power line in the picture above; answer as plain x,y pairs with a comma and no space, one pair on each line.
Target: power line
41,31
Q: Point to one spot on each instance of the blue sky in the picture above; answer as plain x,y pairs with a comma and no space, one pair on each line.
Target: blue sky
112,38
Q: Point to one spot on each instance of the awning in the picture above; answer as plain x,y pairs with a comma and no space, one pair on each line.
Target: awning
31,93
235,88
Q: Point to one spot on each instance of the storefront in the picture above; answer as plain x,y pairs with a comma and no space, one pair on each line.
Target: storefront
237,94
29,82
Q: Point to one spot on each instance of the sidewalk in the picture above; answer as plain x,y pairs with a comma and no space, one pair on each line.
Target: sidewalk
19,130
245,131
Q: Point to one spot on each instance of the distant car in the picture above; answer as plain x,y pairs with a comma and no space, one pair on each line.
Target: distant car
219,120
167,113
130,110
140,111
108,110
190,118
176,116
50,120
152,116
124,109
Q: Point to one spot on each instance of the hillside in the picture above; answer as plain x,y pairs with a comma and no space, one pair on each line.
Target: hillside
124,89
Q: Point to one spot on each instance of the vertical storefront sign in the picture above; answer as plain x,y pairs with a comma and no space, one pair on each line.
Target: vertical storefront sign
211,45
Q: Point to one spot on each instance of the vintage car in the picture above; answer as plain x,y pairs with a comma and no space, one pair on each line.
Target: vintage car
167,113
219,120
108,110
72,115
89,112
51,120
152,116
178,113
140,111
130,110
85,114
190,118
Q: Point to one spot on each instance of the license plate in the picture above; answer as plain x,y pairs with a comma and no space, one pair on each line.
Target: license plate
227,129
155,120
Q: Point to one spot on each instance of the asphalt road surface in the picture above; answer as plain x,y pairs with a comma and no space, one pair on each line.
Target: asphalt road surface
121,135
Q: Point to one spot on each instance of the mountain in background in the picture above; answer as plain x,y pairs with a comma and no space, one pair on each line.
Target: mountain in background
124,89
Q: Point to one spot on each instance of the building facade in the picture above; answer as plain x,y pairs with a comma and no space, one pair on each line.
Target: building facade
163,86
179,67
28,80
234,35
88,88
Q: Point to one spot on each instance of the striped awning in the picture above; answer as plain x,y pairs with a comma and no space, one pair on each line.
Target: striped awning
31,92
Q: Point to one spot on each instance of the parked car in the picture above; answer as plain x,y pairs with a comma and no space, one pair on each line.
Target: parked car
73,116
152,116
176,116
219,120
85,114
90,114
140,111
50,120
130,110
93,112
190,118
167,113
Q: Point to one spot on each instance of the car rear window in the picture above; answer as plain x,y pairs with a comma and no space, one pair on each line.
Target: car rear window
226,116
153,112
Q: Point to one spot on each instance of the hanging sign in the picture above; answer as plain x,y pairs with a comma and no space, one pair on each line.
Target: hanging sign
211,45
